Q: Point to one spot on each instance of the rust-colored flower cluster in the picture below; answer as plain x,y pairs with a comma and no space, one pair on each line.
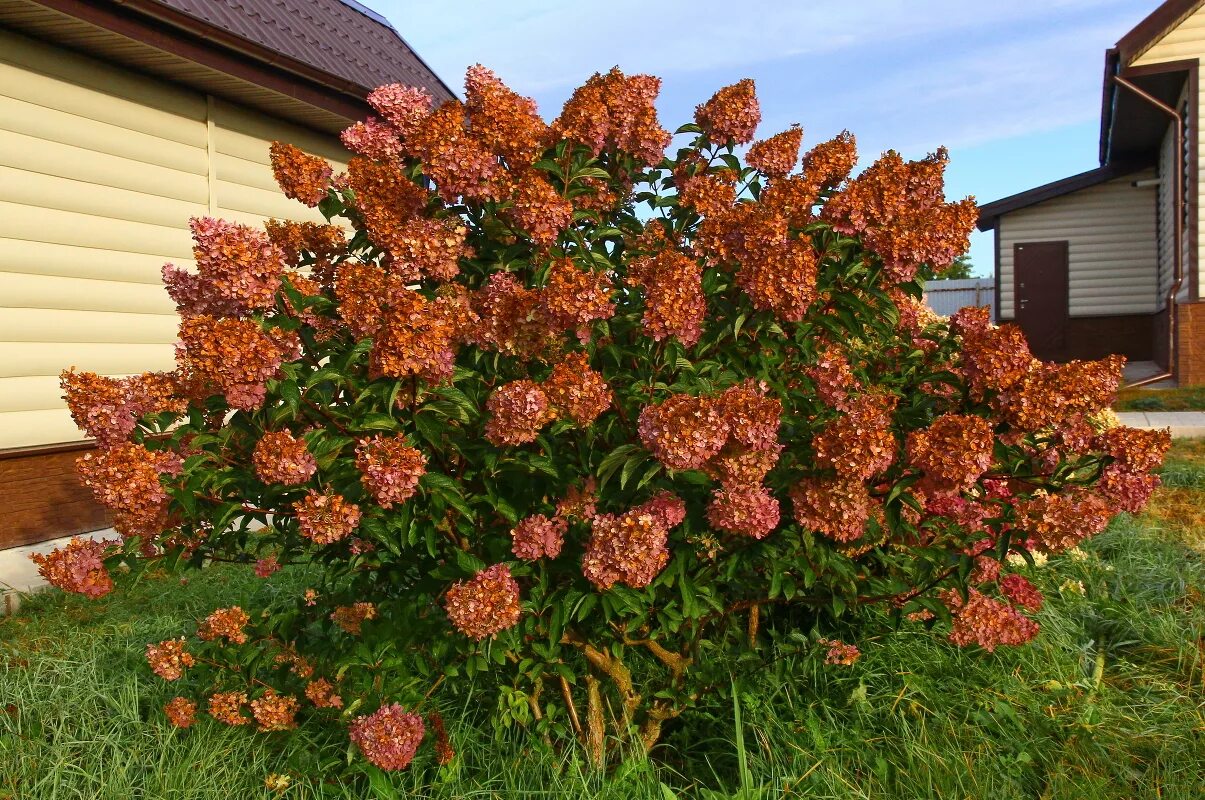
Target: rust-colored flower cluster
227,708
518,410
485,604
838,508
732,113
838,653
77,566
388,737
778,155
238,271
537,537
125,479
987,622
953,452
168,659
832,377
352,618
326,518
225,623
301,176
281,458
1058,522
390,468
233,357
674,304
898,208
321,693
274,712
108,409
575,391
630,548
683,431
615,112
181,712
859,444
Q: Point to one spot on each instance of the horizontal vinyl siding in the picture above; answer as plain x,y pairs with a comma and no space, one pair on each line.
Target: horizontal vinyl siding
1112,250
102,169
1186,42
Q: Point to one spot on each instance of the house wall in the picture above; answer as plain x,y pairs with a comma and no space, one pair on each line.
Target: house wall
1186,41
1111,231
102,169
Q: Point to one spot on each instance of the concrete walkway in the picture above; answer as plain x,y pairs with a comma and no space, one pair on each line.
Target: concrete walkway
1186,424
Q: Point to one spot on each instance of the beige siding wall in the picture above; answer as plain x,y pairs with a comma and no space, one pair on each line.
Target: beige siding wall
1111,235
101,170
1186,42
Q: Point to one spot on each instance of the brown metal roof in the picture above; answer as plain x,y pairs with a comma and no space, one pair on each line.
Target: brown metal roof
342,39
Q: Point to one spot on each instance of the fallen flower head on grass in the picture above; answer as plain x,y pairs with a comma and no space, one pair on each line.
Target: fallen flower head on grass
559,407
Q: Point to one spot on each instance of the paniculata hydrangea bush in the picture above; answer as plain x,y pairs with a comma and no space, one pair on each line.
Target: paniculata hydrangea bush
550,408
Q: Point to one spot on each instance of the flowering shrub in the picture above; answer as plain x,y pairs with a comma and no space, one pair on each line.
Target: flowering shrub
556,408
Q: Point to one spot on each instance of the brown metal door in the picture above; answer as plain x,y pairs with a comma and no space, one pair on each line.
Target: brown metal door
1040,296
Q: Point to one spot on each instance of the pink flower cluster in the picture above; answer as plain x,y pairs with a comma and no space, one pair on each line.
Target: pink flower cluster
538,536
326,518
518,410
282,459
238,271
108,409
631,547
388,737
987,622
77,566
485,604
390,468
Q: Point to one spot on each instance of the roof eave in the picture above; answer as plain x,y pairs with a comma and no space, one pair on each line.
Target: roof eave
990,213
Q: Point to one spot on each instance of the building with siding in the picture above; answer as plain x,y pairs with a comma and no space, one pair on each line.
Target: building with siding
118,123
1109,261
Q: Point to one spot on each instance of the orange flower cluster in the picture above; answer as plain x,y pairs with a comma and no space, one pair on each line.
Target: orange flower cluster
748,510
538,536
485,604
388,737
832,377
326,518
108,409
227,708
444,753
77,566
125,480
352,618
575,391
732,113
518,410
674,304
987,622
418,338
953,452
1053,394
392,206
538,209
181,712
322,694
1058,522
615,112
579,502
310,244
225,623
1135,449
274,712
776,156
460,164
708,194
169,658
683,431
505,122
509,321
280,458
899,210
232,356
1020,592
573,298
838,653
829,163
838,508
389,468
631,548
301,176
859,443
238,271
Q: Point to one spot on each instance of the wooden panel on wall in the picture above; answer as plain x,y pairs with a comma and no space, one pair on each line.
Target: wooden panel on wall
42,498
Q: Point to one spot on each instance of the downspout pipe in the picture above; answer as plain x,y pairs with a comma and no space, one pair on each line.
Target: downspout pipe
1177,229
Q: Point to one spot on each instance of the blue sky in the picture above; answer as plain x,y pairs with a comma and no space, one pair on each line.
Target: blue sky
1011,88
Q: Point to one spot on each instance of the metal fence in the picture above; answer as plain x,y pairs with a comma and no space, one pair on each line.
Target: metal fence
946,297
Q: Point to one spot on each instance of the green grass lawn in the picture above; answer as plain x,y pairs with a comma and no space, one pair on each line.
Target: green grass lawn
1109,702
1189,398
